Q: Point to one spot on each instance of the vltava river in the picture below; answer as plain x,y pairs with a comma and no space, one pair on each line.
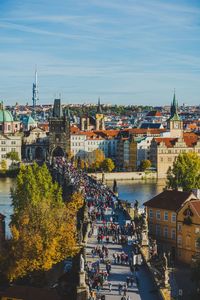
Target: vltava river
128,190
5,200
142,190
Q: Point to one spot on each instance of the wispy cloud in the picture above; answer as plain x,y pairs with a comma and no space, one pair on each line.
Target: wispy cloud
114,48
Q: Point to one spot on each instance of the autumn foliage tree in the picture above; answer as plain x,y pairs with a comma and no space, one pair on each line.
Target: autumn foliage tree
43,227
97,158
107,165
145,164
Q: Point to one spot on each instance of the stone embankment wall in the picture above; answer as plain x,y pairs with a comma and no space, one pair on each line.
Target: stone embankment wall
125,176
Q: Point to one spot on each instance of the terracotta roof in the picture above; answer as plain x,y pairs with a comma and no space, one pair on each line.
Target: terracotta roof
152,131
29,293
154,113
169,200
196,205
74,129
189,138
169,142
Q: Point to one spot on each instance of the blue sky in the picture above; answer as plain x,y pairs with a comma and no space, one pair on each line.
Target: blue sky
125,51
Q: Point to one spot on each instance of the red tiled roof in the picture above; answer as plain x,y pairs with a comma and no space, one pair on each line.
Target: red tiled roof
189,138
154,113
74,129
169,200
196,205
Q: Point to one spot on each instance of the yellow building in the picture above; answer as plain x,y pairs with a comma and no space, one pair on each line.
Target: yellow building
188,231
164,150
162,211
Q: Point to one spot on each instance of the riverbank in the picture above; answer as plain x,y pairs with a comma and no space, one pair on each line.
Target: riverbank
124,176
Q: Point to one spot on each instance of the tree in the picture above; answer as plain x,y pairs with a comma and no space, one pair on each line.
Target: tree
107,165
96,158
43,227
13,155
185,172
145,164
3,165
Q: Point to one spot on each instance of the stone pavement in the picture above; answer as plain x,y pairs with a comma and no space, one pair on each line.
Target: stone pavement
144,291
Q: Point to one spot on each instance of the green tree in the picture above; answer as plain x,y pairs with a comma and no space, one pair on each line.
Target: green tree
43,227
185,172
108,165
145,164
13,155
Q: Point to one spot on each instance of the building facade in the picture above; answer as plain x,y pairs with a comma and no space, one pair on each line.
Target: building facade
165,150
188,232
162,214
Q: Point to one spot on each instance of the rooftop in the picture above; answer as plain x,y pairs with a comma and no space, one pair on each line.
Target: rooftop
169,200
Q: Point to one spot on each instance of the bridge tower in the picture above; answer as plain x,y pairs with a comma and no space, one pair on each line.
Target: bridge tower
59,132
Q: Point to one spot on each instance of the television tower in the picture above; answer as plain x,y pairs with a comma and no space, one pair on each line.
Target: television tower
35,97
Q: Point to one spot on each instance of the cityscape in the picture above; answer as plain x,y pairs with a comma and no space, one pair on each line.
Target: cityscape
99,150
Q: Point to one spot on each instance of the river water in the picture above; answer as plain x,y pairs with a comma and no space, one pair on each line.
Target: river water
128,190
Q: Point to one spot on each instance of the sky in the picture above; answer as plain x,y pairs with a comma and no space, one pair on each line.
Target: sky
123,51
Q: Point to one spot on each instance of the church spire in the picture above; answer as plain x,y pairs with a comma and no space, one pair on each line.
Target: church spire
99,109
174,107
35,97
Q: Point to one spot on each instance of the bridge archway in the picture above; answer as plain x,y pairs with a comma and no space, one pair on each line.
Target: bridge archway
58,151
39,153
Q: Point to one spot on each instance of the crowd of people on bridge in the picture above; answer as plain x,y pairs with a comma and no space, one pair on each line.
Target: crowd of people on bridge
102,202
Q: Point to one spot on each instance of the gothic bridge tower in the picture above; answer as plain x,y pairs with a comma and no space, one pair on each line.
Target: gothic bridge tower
59,132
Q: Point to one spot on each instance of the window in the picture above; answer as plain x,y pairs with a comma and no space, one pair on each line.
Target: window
150,214
173,217
166,216
179,240
166,232
3,149
158,214
173,234
179,227
197,230
3,142
13,142
150,227
8,127
188,241
158,229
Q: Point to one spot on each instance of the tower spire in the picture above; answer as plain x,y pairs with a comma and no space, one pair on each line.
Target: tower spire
35,97
174,107
99,110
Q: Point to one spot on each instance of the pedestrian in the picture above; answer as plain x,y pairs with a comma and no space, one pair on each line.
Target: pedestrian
137,275
125,288
123,298
120,288
110,286
128,298
127,280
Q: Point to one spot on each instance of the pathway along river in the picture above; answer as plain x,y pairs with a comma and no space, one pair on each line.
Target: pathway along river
128,190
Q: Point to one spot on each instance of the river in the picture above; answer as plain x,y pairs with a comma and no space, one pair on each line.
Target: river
128,190
5,200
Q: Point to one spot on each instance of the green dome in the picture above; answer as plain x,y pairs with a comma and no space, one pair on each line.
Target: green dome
5,116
